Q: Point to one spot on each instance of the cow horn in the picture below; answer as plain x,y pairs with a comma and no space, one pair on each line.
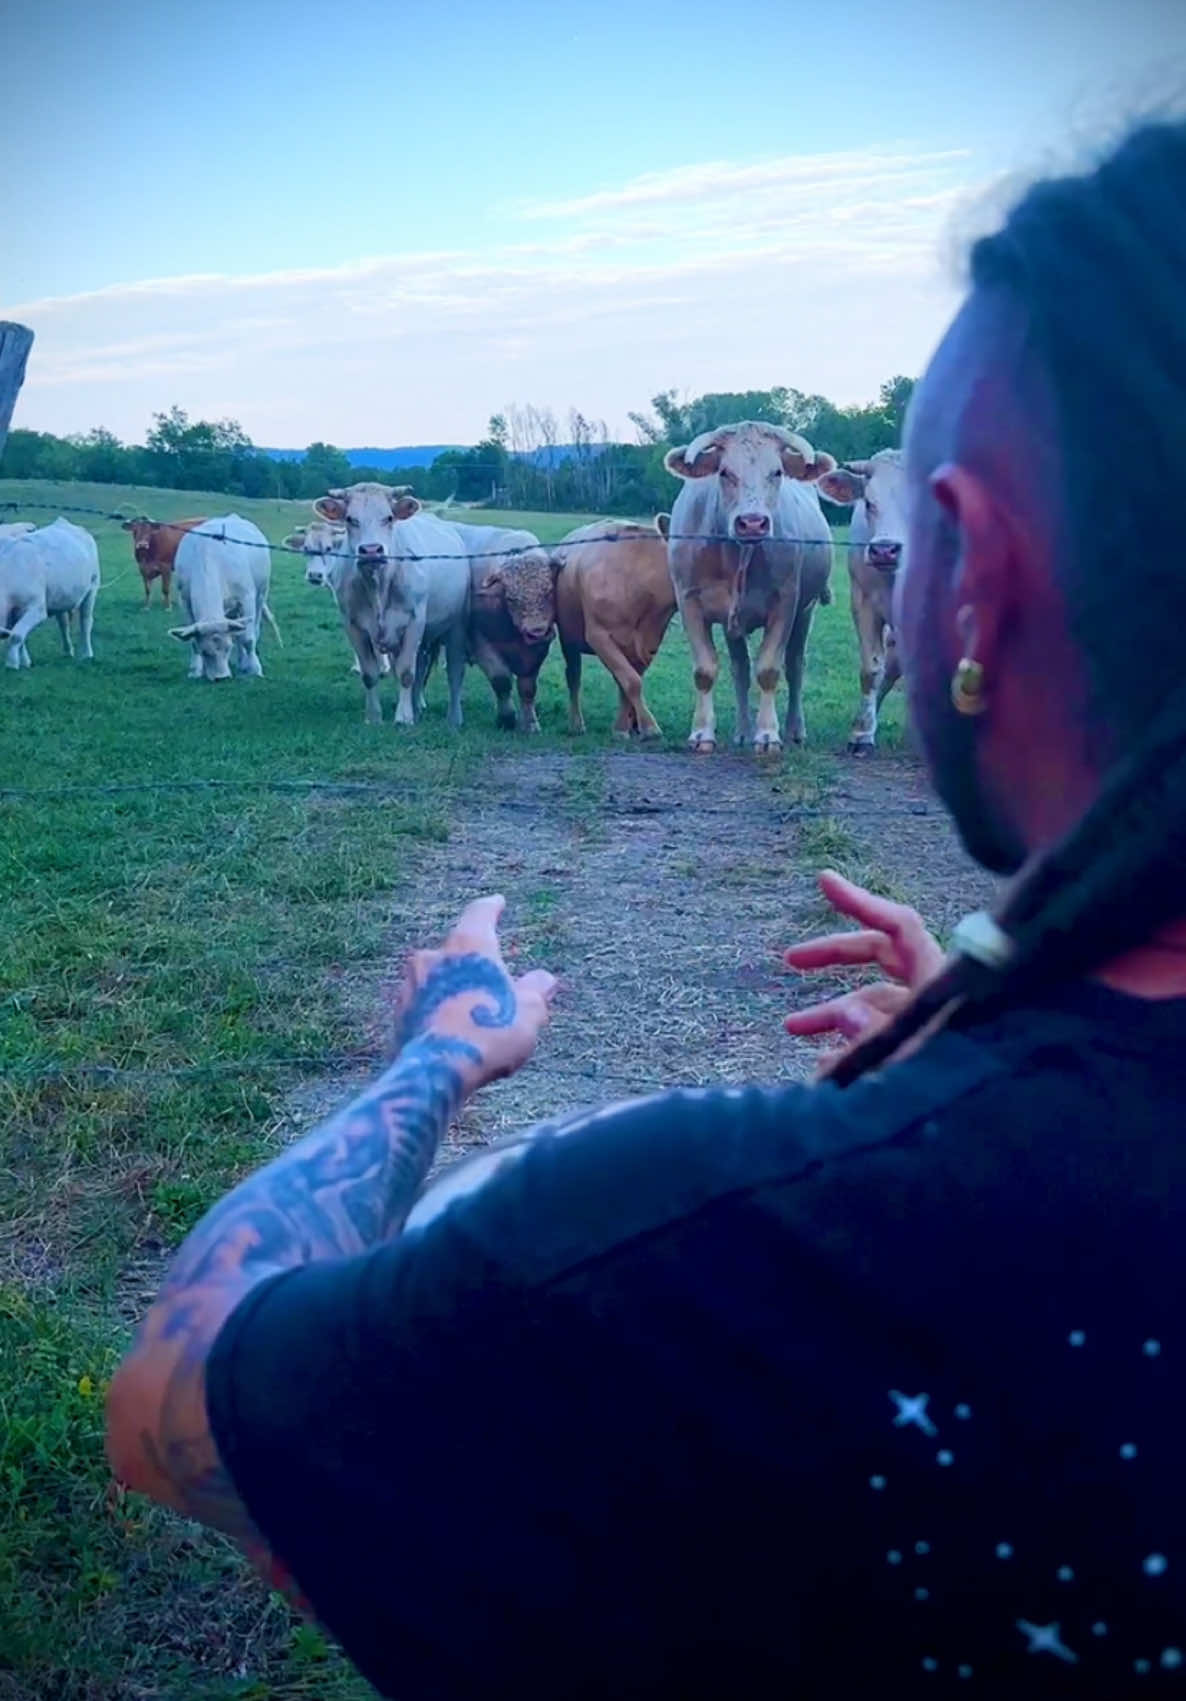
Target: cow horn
701,445
793,441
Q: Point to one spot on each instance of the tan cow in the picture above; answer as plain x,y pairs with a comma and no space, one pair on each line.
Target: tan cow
614,600
877,488
154,544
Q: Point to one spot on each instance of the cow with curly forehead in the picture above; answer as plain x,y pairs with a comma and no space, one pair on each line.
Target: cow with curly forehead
512,614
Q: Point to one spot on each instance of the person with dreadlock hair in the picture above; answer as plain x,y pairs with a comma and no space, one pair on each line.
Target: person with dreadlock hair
876,1383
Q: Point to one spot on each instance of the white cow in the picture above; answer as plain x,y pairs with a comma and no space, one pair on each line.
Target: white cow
53,570
324,549
17,528
751,486
392,601
224,570
877,488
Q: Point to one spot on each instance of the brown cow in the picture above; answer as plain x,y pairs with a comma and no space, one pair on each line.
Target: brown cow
614,600
512,615
154,544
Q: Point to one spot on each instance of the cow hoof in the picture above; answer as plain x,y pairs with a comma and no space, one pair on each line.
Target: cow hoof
860,747
650,734
703,747
623,733
506,723
767,745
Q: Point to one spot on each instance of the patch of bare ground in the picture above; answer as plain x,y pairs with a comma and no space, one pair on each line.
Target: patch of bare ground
661,889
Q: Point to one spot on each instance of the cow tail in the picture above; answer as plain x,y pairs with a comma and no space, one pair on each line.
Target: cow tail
271,620
825,595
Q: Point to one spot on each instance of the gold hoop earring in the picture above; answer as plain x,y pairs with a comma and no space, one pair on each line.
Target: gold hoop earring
967,687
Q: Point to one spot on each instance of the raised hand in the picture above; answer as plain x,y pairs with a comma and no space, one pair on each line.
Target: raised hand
463,992
892,937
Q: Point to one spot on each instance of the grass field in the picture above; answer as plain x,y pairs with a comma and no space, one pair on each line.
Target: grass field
183,904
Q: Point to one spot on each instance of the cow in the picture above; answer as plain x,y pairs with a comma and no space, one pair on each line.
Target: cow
396,603
877,489
324,549
512,614
154,544
224,570
614,600
17,528
749,549
54,570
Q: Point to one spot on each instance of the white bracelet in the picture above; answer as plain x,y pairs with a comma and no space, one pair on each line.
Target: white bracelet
979,936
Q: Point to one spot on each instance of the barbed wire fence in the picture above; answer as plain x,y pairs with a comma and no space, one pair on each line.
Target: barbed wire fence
617,531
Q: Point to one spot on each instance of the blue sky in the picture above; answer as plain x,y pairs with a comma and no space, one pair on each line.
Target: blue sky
381,223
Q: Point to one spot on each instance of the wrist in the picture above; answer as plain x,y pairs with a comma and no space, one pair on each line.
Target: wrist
456,1064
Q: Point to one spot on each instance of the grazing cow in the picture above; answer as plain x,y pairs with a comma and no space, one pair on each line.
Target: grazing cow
50,570
877,488
154,544
512,614
614,600
224,570
324,549
395,603
752,486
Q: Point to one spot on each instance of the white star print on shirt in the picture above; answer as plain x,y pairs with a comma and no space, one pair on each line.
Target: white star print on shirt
1045,1639
912,1409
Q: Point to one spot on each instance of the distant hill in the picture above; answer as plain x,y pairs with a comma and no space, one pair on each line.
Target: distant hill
415,455
424,454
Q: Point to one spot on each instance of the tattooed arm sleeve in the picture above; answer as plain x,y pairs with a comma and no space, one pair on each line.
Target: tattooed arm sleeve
344,1187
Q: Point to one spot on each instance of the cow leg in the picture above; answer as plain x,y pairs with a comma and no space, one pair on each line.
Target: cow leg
501,681
795,662
18,652
892,673
871,643
703,736
367,658
166,583
147,588
572,675
528,719
406,667
86,622
426,660
769,664
63,621
739,662
625,724
455,660
628,680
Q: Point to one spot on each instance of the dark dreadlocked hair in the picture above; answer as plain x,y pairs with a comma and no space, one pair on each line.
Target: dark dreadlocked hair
1098,265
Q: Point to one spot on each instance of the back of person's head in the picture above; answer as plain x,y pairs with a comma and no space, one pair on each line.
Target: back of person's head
1094,268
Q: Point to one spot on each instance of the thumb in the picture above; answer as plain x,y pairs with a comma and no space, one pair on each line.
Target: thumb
538,981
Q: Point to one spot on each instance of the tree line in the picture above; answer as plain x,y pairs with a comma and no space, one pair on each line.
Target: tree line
529,459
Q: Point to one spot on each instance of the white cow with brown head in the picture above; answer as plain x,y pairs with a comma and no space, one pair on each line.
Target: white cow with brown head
749,550
877,489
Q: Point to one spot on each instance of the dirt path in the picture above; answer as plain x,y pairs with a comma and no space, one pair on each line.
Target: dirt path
661,889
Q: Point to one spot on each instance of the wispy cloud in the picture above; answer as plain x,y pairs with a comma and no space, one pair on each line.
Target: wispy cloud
825,271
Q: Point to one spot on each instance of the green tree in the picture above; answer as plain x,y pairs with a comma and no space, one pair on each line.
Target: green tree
327,469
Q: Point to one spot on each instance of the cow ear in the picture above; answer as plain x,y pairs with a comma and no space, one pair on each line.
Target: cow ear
295,540
819,468
493,581
125,525
403,507
663,525
841,485
234,627
701,465
330,507
183,634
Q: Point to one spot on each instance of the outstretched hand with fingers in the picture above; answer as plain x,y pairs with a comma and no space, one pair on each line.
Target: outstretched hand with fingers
891,937
464,992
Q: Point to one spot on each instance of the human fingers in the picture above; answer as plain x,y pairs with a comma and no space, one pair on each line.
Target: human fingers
853,1014
919,955
842,950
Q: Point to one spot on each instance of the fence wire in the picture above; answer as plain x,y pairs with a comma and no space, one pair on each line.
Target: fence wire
614,534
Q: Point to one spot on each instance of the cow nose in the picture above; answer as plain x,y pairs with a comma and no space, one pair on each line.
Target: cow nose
751,525
884,551
370,552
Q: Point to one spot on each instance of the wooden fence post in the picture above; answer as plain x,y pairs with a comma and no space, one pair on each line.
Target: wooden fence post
15,343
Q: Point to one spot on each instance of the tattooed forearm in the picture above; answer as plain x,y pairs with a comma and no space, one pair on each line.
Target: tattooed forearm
345,1186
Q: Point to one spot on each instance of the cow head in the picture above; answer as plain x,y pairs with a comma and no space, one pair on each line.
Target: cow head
142,531
528,585
369,513
321,544
213,640
749,462
880,484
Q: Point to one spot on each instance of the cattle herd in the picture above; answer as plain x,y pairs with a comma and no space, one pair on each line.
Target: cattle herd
746,547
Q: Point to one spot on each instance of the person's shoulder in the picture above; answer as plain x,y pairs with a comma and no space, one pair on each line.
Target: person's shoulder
577,1187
